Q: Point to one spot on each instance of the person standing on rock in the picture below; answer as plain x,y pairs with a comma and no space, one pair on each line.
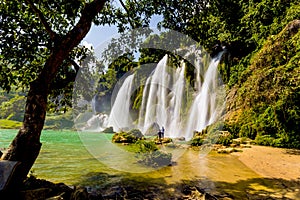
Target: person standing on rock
162,132
159,134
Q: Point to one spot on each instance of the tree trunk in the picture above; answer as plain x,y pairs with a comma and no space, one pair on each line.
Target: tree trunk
26,145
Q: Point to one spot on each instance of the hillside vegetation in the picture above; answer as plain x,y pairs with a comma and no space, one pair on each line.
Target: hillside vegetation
265,103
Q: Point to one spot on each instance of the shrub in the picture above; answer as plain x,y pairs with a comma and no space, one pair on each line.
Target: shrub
266,140
146,146
197,141
225,139
149,155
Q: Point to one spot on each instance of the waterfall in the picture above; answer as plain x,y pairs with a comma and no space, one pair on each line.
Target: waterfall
96,122
203,110
164,102
154,101
176,102
162,98
119,117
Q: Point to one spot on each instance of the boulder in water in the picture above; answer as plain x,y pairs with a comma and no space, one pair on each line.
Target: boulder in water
152,129
127,137
136,132
108,130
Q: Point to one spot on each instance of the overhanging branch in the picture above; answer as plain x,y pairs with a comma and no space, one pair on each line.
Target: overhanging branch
43,20
127,11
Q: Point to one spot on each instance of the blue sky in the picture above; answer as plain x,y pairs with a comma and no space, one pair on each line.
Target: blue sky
100,34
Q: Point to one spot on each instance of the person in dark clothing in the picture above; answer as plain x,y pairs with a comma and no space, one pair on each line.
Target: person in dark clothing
159,133
162,132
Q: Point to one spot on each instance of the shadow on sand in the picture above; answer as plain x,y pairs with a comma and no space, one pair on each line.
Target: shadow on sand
139,187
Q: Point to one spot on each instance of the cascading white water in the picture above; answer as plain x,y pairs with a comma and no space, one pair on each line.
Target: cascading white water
176,102
154,101
163,100
203,110
96,122
119,117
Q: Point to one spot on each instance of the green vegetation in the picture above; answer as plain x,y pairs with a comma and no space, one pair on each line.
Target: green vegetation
10,124
148,154
127,137
146,151
267,100
12,106
59,120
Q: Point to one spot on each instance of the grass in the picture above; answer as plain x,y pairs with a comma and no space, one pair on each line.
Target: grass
9,124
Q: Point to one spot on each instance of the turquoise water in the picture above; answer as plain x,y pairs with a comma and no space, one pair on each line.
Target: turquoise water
71,157
63,157
90,159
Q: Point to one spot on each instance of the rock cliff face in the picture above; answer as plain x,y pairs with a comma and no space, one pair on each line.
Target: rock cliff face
265,101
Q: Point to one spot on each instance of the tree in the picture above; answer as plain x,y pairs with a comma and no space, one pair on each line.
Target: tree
38,44
34,49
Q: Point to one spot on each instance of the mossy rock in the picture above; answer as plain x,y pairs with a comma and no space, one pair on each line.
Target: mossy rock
136,132
127,137
156,159
123,137
164,140
108,130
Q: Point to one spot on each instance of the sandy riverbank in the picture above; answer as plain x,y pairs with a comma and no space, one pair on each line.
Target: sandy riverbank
272,162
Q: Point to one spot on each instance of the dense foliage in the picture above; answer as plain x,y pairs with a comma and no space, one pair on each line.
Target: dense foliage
266,103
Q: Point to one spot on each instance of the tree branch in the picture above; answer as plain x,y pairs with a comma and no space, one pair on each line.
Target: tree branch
43,20
75,65
127,11
70,40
